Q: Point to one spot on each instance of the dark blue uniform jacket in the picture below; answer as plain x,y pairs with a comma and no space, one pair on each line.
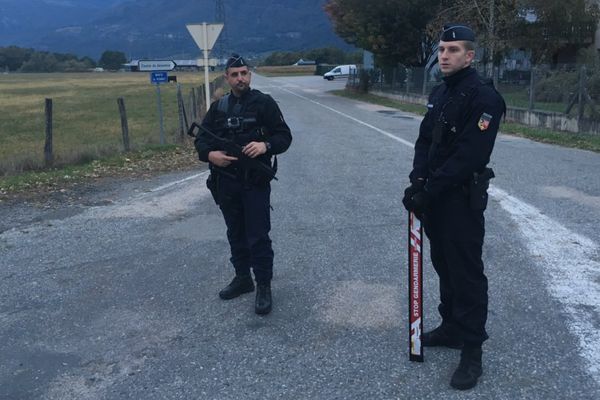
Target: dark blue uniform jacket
466,111
253,105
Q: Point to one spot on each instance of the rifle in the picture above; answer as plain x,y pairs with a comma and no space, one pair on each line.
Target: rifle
235,150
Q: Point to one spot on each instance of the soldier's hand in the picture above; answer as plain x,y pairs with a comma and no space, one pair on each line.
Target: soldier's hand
220,158
254,149
410,191
419,203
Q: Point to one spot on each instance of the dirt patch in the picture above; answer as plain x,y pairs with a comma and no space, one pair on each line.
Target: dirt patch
63,195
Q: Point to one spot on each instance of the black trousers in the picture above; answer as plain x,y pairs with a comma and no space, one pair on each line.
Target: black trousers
456,233
247,212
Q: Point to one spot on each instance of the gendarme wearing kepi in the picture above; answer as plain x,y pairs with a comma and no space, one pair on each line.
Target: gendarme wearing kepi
249,131
235,61
453,32
448,192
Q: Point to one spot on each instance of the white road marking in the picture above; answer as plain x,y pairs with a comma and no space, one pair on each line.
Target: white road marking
171,184
391,136
159,203
573,274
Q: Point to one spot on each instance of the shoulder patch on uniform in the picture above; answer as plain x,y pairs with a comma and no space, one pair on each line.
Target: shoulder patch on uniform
484,121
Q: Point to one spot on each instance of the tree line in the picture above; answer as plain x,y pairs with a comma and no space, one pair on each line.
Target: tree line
326,55
18,59
406,31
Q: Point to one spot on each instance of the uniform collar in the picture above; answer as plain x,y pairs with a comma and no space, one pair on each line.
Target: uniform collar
454,79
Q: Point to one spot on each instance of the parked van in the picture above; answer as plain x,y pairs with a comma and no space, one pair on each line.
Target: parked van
341,71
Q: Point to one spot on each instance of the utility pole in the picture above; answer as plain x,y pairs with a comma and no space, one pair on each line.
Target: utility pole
221,48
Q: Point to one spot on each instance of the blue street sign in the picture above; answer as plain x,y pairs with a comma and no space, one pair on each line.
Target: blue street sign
159,77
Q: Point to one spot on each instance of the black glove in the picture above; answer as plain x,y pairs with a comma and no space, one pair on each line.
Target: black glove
415,187
420,203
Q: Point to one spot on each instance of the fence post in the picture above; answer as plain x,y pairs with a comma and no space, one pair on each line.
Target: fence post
124,125
424,90
393,78
182,118
408,73
202,107
580,99
48,156
160,114
531,89
193,104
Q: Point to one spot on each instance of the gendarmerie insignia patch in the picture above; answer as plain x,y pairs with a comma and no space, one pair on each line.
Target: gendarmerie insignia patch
484,121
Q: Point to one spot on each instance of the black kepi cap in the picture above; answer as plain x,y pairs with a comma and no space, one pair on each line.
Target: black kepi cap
235,61
453,32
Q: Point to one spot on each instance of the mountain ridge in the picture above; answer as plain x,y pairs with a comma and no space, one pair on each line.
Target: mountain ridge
156,28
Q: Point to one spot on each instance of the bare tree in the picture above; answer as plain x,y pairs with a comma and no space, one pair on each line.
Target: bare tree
492,20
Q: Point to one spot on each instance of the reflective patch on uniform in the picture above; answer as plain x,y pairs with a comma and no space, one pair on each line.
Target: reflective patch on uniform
484,121
429,105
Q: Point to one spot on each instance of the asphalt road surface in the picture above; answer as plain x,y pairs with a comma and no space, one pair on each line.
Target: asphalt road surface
118,299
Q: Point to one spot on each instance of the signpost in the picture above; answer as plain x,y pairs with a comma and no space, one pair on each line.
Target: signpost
159,77
158,74
205,35
156,65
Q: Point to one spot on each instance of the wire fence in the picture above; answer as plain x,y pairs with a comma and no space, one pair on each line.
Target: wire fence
570,89
90,116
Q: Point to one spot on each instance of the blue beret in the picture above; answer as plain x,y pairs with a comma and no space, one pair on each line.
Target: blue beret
453,32
235,61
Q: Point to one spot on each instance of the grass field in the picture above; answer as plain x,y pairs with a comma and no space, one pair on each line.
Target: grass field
86,121
518,96
287,70
576,140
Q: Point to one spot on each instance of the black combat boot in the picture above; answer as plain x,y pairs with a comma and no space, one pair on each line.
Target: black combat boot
441,336
239,285
469,369
263,299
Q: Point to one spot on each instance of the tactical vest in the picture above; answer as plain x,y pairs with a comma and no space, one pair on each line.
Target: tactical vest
237,112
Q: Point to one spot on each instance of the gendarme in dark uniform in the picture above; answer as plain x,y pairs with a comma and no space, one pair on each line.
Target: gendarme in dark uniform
253,121
448,191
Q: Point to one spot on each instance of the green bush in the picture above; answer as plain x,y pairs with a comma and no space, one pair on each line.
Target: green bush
561,85
556,87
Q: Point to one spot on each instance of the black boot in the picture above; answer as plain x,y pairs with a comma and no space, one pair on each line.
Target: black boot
263,299
441,336
239,285
469,369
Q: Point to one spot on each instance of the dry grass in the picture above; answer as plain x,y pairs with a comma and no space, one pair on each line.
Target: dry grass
86,121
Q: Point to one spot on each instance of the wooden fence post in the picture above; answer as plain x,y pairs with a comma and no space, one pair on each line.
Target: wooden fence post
194,105
124,125
580,94
201,100
48,156
531,89
183,125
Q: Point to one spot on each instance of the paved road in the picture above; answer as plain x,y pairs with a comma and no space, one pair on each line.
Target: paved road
119,300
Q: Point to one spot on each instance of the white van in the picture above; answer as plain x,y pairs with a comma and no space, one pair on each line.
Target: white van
341,71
